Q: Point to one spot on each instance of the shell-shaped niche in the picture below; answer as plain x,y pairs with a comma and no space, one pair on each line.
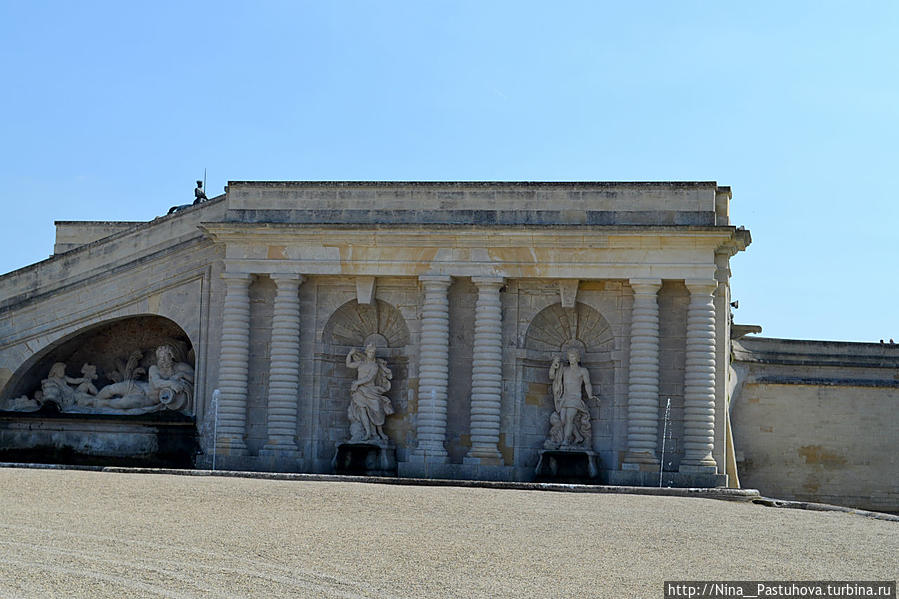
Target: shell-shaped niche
556,328
355,324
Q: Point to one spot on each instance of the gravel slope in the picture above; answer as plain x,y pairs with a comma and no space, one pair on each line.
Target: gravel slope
91,534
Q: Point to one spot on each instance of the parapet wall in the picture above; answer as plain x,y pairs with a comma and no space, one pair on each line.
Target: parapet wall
485,203
73,234
816,420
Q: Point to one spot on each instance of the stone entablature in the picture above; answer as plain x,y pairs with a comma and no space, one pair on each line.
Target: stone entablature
467,291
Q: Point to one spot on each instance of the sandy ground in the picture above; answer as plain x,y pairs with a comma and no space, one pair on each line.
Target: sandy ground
90,534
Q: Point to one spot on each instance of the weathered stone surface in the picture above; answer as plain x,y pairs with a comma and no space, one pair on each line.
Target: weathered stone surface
467,290
816,421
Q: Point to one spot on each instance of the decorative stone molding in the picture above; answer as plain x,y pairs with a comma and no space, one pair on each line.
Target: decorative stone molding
433,377
487,371
699,379
284,368
643,381
555,329
365,290
568,292
234,365
354,324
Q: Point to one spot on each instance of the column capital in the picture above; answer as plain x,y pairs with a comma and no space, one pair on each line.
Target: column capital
645,285
439,279
487,280
701,286
287,277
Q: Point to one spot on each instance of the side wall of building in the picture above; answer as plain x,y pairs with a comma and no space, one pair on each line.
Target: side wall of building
816,421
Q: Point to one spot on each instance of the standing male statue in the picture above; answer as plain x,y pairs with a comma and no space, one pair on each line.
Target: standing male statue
570,423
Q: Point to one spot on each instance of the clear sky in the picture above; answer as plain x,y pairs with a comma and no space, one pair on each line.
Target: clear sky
111,111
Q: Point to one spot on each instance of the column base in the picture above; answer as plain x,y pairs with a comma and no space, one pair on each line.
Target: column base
483,457
698,468
280,450
279,458
643,461
431,455
230,446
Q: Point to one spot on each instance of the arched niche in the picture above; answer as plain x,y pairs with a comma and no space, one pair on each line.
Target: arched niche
111,347
353,326
550,334
555,329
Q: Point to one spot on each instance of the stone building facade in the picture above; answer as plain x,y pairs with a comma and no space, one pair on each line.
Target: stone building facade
467,291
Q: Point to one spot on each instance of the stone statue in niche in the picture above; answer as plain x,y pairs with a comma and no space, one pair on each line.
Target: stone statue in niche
169,385
369,406
570,422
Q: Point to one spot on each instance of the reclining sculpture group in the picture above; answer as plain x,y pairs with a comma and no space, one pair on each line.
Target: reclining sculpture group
169,386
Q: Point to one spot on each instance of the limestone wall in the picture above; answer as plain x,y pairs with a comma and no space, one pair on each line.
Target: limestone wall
535,328
73,234
540,267
489,203
165,268
816,421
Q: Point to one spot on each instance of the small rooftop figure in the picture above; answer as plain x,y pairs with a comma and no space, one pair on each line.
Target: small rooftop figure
199,194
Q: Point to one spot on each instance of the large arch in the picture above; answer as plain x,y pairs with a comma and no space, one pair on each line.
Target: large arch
107,345
118,392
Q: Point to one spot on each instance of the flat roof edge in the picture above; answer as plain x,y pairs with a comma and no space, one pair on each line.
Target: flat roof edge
479,183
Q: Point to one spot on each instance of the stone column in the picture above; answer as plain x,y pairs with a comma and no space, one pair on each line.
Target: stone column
284,368
699,379
233,365
433,369
487,371
643,381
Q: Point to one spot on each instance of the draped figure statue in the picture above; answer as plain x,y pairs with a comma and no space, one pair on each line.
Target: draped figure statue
369,406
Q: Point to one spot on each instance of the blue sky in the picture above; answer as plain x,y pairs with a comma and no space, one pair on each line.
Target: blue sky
113,109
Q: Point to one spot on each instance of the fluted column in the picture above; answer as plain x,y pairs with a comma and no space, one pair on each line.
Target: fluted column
643,381
284,368
699,379
487,370
234,365
433,369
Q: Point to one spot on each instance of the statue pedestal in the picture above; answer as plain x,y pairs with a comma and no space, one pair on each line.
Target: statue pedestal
572,465
365,458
